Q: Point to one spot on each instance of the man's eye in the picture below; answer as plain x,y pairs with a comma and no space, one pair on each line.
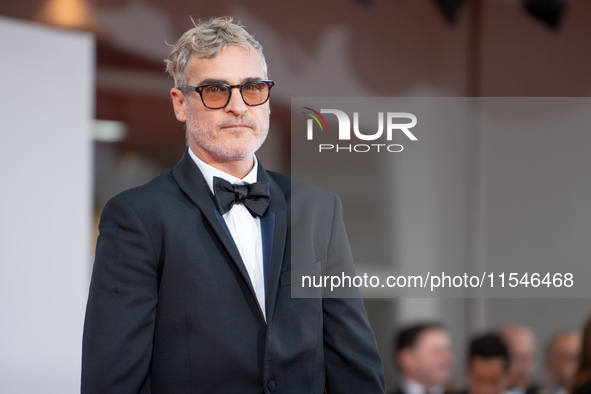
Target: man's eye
252,86
215,89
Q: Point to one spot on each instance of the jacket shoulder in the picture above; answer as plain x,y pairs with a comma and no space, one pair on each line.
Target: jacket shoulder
155,191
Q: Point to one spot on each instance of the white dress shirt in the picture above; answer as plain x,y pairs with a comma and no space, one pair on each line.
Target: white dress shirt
410,386
245,229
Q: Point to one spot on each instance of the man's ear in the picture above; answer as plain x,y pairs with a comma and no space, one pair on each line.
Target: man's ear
179,102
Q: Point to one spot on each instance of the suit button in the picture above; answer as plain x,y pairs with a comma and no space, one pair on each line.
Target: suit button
271,386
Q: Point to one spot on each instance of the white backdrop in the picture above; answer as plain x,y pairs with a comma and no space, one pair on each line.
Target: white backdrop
46,107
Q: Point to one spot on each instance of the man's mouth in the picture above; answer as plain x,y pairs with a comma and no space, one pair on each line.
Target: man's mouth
236,125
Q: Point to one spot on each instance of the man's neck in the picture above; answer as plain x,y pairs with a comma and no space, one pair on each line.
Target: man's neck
237,168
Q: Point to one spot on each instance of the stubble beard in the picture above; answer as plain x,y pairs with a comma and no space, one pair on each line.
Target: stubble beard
206,138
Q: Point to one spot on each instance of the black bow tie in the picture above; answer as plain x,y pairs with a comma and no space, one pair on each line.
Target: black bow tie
254,196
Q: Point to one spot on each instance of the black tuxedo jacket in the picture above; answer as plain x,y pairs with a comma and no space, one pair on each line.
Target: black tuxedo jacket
171,309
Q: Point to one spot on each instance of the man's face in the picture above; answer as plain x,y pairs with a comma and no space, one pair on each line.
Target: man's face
487,376
429,361
563,359
522,348
236,131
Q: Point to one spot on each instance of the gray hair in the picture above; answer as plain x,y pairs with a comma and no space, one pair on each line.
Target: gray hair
206,40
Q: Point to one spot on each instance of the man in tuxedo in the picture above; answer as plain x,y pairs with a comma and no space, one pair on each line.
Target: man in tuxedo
424,357
191,285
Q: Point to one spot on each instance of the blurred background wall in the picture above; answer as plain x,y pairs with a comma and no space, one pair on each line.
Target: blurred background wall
334,48
46,106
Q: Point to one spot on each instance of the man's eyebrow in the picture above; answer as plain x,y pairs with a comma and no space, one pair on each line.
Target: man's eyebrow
252,79
208,81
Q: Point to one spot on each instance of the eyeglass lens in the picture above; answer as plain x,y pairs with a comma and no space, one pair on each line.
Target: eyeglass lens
253,93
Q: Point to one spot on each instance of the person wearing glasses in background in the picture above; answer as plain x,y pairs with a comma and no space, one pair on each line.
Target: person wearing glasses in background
191,285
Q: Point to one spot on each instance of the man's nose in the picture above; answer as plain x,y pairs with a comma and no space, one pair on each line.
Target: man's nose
236,105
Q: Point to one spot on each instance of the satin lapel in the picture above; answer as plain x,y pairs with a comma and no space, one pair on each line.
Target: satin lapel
267,234
279,231
191,181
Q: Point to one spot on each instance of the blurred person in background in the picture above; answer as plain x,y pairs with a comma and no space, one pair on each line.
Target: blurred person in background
424,356
582,381
562,360
488,365
521,342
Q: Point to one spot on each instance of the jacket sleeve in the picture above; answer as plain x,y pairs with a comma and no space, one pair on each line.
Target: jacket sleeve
121,309
352,362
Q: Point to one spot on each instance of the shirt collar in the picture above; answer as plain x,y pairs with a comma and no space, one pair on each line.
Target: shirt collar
209,172
410,386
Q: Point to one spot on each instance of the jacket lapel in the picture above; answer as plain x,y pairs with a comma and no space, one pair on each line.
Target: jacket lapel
193,184
274,222
273,225
267,235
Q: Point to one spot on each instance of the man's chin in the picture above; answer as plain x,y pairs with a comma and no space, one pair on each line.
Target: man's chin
229,149
235,154
239,149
